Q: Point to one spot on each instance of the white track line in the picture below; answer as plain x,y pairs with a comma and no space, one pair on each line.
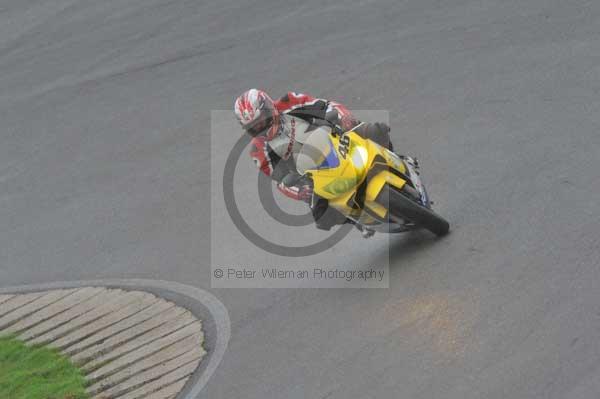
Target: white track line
217,311
134,360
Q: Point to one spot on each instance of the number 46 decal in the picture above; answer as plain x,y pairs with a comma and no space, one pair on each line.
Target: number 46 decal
344,145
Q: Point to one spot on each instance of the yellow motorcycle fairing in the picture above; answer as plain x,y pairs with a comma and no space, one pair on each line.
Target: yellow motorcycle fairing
340,165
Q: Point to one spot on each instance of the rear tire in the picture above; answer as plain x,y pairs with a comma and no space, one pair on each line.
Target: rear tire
402,207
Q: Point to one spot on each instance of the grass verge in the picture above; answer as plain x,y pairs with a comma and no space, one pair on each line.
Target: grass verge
37,373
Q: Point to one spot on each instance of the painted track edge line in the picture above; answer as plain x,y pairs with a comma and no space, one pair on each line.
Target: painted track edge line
215,307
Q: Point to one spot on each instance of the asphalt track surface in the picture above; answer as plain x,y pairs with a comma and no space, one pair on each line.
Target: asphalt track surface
104,151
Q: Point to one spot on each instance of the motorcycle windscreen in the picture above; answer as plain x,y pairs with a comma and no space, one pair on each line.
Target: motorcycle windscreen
317,152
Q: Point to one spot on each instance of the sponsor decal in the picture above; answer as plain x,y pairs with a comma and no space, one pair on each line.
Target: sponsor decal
341,185
292,141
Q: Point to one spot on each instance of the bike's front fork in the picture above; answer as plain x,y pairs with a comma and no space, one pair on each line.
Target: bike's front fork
413,161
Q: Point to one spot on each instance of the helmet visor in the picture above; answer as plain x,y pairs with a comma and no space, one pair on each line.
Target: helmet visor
260,127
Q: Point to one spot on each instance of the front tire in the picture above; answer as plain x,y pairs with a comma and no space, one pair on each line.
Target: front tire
401,207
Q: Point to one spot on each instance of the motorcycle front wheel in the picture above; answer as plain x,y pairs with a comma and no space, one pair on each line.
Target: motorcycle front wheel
402,207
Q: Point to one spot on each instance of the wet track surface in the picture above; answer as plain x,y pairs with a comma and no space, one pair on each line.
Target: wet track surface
104,156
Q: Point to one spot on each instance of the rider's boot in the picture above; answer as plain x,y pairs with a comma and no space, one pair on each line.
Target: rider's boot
364,231
367,233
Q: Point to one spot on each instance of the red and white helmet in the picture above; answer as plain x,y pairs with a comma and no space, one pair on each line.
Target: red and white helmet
257,114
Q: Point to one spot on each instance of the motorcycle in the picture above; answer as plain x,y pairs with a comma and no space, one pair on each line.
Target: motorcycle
367,183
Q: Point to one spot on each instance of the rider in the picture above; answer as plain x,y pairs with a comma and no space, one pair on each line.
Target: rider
278,130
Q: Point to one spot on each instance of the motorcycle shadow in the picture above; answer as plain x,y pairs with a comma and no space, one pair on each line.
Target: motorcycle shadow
405,246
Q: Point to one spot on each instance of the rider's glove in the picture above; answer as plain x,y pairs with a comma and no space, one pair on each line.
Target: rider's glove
306,193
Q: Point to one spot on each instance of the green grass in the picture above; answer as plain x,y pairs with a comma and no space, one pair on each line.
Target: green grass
37,373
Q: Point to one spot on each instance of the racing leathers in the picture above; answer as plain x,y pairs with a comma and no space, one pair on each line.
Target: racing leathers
300,115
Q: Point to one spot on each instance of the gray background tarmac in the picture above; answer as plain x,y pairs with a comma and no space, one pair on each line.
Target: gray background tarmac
104,157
